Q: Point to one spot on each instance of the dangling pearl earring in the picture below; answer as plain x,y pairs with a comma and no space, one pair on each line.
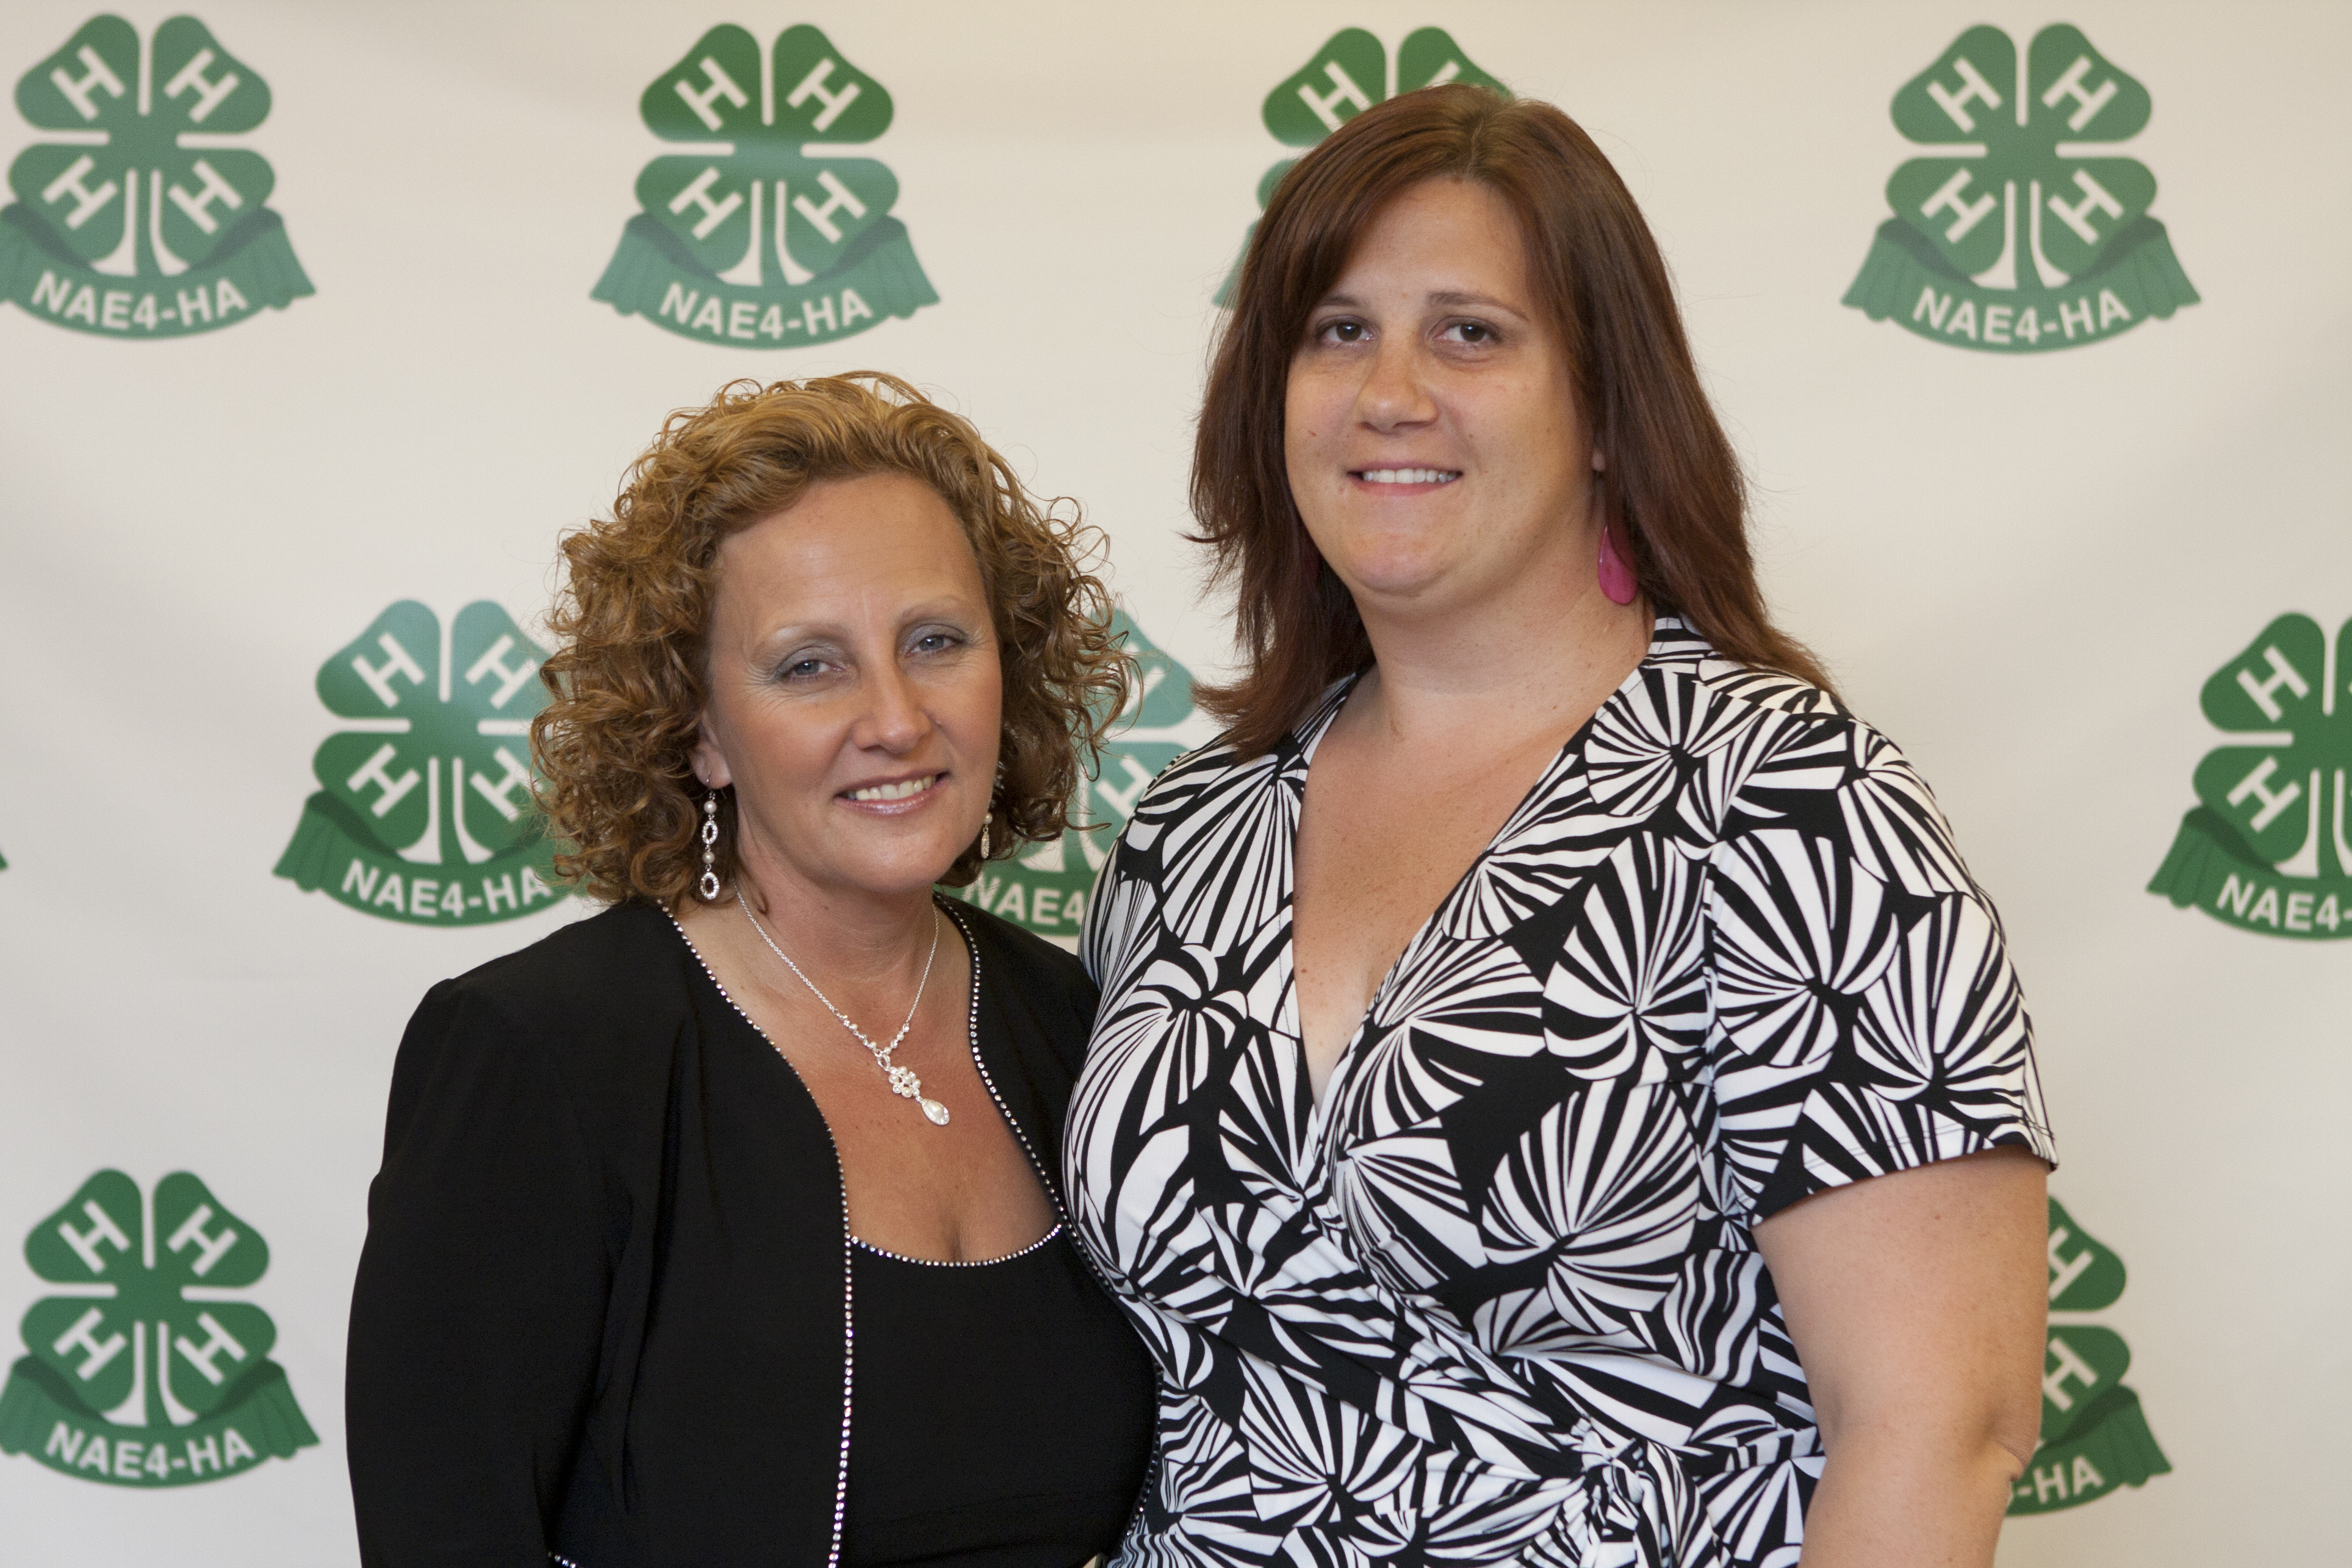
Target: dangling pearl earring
994,789
708,884
1616,577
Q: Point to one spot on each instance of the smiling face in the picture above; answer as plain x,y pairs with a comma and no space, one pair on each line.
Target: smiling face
1430,428
854,691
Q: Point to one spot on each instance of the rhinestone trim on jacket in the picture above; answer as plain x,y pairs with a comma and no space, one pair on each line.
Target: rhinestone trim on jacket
865,1245
848,1260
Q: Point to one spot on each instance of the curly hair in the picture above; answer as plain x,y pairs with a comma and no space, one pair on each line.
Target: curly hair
614,746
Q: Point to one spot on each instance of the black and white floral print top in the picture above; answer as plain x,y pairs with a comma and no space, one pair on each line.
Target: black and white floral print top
1496,1297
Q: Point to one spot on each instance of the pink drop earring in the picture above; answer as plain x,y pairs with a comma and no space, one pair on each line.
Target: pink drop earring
1616,577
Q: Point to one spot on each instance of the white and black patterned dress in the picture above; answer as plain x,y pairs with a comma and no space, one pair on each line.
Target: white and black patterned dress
1497,1296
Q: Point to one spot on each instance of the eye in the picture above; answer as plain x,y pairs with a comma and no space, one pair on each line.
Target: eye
1474,333
935,642
804,667
1342,331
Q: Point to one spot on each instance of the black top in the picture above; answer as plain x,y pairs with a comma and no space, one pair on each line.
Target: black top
604,1310
1003,1416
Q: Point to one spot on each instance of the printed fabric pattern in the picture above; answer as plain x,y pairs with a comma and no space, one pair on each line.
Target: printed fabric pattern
1497,1296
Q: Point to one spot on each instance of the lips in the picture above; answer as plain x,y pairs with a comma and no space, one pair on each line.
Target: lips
1408,476
893,792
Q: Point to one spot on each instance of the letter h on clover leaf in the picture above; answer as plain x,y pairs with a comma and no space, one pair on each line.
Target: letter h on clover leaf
2009,198
759,230
1347,76
2018,204
2095,1437
126,1378
425,809
140,219
2269,847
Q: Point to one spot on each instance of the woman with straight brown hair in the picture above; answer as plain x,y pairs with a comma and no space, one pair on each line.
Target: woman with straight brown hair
1558,1096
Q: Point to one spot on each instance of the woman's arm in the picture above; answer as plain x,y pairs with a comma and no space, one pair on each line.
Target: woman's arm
1917,1302
477,1316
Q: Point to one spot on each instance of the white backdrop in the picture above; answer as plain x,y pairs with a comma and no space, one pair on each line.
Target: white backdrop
2025,567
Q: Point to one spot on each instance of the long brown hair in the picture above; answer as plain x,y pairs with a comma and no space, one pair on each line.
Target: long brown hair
1672,484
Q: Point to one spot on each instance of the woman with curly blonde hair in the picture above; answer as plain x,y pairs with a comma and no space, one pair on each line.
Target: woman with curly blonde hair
648,1183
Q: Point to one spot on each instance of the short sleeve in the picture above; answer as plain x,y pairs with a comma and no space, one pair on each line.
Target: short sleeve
477,1315
1865,1015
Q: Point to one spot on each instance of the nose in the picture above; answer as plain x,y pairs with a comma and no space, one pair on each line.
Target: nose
895,720
1395,394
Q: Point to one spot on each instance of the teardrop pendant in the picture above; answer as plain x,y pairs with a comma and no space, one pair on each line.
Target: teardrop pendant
903,1080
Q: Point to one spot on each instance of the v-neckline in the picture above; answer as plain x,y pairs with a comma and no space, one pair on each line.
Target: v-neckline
1310,739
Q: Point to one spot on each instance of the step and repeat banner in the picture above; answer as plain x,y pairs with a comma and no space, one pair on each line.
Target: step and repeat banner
323,320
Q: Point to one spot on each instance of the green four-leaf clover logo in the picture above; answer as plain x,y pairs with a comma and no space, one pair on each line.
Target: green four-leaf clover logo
2269,849
760,231
2094,1438
425,810
142,219
1347,76
2019,229
1047,889
143,1369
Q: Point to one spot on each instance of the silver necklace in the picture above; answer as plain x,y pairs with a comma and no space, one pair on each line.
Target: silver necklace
902,1079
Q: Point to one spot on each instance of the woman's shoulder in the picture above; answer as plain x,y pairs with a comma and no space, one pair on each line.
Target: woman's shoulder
1218,778
1677,650
583,977
1025,961
581,1017
1766,726
1788,756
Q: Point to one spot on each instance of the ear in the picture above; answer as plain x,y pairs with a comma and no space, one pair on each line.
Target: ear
1599,459
710,758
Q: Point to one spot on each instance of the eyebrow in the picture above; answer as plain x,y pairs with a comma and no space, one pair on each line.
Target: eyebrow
1459,299
1448,297
946,606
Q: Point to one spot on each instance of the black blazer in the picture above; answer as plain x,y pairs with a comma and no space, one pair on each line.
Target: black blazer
603,1310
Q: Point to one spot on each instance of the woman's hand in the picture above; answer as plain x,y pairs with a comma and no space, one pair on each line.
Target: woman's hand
1917,1303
